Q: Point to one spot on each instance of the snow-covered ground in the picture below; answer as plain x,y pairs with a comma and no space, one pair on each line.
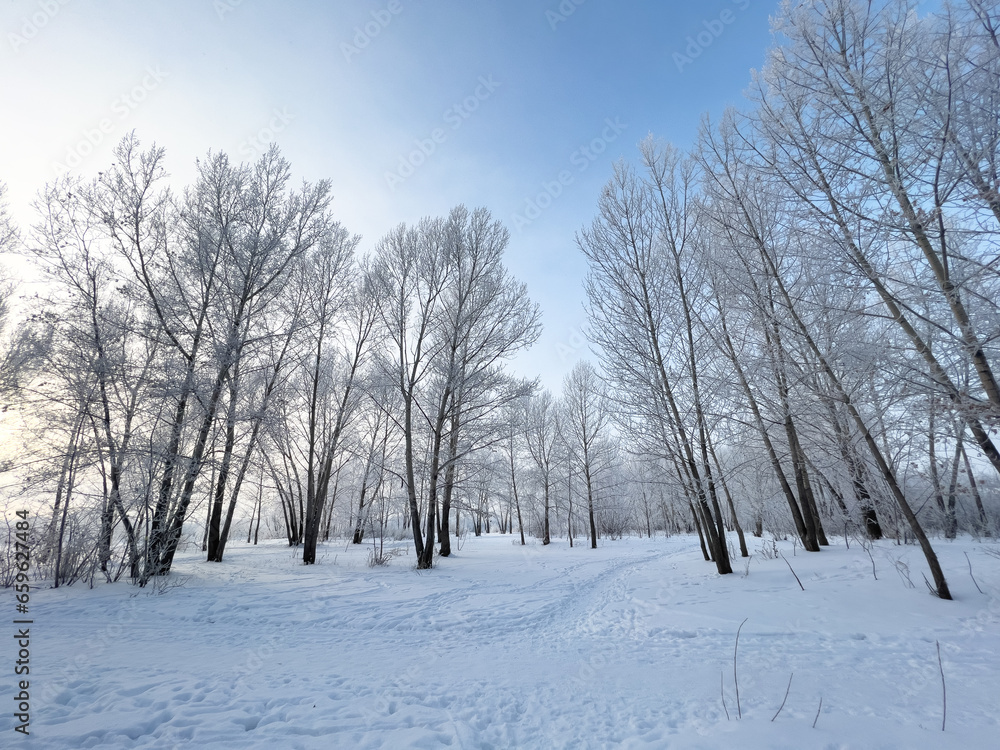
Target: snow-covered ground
629,645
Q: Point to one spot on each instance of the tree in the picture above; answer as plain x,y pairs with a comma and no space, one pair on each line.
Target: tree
451,314
407,280
739,219
107,373
585,428
374,450
206,270
642,309
878,122
334,394
541,437
514,420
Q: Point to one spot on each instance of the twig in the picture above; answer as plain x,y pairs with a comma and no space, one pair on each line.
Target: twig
944,690
793,571
928,584
722,690
904,573
868,549
785,698
972,576
739,711
817,711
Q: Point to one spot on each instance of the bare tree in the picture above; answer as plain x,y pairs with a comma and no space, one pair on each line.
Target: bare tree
879,122
409,274
585,426
109,372
207,268
514,420
485,318
332,381
640,252
452,314
541,437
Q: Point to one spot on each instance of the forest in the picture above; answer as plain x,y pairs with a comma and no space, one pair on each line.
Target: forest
793,325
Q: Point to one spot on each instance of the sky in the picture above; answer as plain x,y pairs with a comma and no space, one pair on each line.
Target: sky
409,107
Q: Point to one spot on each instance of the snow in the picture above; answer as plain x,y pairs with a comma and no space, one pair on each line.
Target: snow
524,647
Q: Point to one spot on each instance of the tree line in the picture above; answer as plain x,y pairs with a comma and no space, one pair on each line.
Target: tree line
814,286
195,356
796,322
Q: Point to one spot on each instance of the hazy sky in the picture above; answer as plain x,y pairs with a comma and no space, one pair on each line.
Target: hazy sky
409,106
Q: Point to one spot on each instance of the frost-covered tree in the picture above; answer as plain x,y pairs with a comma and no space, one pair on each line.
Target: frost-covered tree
541,438
585,426
451,313
644,299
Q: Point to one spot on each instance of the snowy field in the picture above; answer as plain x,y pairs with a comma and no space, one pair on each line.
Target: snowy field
510,647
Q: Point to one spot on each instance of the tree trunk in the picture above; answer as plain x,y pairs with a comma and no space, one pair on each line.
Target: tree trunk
215,546
449,479
974,487
590,508
729,500
64,491
359,533
701,536
545,521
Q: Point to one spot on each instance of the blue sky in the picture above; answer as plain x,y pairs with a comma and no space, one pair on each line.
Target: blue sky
409,106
